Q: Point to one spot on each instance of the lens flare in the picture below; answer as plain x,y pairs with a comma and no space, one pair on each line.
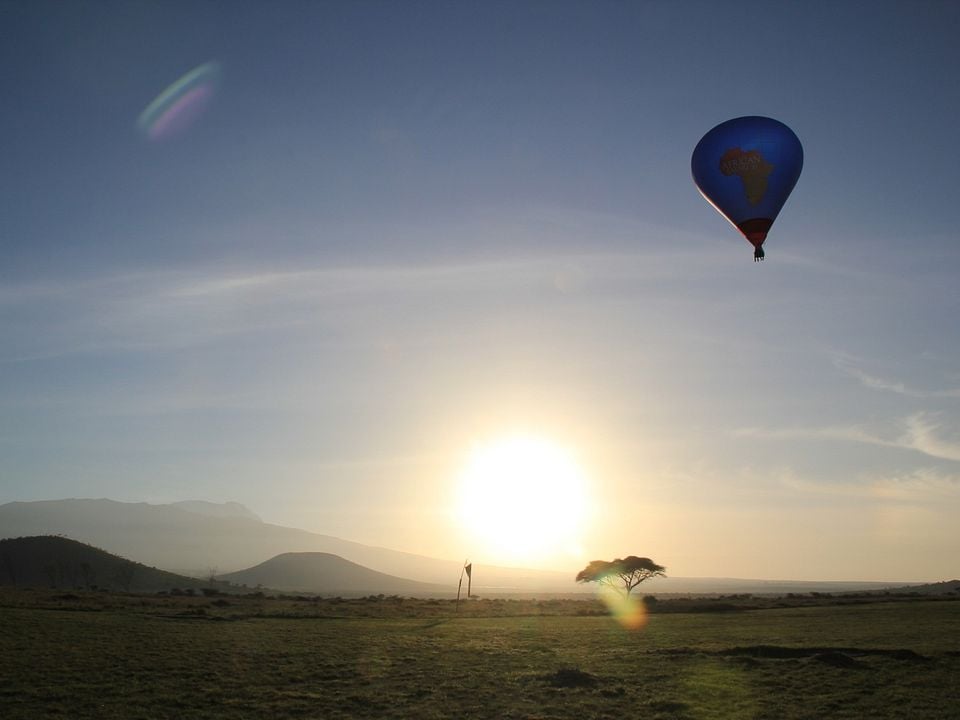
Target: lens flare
627,610
177,107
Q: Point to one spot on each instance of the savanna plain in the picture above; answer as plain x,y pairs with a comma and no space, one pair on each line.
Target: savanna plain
112,655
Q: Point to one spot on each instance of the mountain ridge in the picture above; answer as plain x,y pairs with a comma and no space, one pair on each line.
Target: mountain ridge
212,509
175,539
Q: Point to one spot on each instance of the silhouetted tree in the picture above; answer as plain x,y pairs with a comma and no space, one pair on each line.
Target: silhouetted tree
622,574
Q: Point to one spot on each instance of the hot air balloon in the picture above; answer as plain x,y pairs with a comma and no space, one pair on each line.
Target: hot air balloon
746,168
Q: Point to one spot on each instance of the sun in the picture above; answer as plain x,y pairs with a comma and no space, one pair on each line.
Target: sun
522,499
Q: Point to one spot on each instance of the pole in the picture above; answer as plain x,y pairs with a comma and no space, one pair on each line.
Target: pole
467,568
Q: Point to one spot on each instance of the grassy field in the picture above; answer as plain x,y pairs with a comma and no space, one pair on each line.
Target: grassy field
81,655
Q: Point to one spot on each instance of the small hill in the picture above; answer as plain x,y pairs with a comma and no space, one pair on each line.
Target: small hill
326,574
52,561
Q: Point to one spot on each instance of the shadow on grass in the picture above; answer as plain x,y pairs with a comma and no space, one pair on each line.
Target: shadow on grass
571,678
435,623
837,657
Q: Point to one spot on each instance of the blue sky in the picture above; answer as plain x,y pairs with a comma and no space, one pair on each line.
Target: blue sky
402,230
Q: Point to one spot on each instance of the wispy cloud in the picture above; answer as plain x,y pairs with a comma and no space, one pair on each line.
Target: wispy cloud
178,309
920,432
848,365
166,309
848,433
871,381
921,485
924,433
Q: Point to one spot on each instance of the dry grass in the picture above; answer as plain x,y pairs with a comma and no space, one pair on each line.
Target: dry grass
129,657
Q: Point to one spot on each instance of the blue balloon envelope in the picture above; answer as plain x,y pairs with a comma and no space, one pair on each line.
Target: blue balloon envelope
746,168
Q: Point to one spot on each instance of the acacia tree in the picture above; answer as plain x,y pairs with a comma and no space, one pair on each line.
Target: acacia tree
622,574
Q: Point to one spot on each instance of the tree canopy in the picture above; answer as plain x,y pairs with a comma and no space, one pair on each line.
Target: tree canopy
622,574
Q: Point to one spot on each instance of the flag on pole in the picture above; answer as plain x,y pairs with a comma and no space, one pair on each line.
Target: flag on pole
469,568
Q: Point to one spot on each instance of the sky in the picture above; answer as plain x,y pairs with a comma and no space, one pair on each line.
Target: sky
400,233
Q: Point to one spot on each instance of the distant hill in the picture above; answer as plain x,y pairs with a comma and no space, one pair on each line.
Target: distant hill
49,561
171,537
941,588
195,538
734,586
326,574
209,509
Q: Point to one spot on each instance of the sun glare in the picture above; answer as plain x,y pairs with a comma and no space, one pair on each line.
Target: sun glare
522,499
